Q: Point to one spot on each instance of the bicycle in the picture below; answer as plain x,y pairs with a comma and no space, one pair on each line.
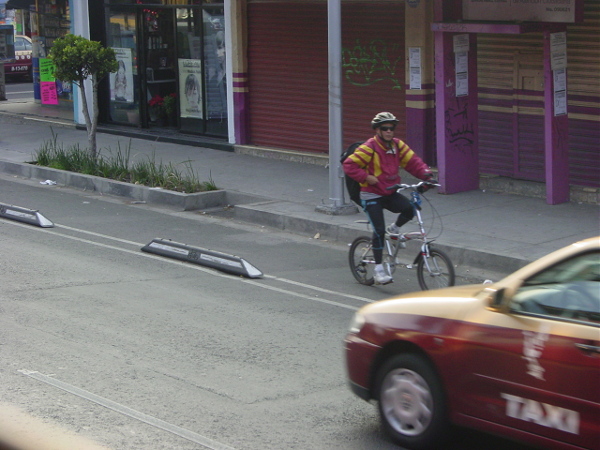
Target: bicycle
434,268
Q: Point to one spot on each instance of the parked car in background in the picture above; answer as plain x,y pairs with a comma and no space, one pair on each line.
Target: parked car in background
519,358
22,65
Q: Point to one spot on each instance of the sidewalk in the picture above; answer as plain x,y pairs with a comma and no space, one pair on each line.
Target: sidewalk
484,230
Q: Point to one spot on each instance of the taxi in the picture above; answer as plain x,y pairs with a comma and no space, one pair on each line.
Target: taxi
519,358
22,64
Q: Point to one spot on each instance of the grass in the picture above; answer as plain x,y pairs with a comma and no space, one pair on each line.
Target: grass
148,172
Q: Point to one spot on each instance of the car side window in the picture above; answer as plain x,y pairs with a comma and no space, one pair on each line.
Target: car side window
569,290
22,45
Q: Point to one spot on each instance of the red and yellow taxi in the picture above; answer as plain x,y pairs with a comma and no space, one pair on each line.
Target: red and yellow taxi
518,358
22,64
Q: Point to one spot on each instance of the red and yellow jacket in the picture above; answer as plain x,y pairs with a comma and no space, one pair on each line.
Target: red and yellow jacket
373,157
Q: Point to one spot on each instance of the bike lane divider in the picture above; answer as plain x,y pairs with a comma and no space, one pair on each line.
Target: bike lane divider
210,258
30,216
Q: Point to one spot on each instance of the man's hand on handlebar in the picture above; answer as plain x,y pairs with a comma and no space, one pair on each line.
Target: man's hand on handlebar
428,184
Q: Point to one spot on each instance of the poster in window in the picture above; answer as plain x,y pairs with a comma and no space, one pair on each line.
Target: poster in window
121,81
190,92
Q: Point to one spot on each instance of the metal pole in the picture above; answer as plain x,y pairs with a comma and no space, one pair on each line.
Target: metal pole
336,177
334,13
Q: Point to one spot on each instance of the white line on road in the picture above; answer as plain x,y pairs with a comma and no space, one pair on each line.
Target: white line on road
272,277
196,267
150,420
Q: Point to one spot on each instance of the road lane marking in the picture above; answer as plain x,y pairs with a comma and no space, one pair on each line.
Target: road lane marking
202,269
122,409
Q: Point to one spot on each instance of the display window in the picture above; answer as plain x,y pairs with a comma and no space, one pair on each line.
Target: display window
171,70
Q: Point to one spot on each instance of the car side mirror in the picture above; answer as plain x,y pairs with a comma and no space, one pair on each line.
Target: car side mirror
498,298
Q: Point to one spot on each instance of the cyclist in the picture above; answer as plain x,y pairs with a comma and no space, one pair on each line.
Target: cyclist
376,165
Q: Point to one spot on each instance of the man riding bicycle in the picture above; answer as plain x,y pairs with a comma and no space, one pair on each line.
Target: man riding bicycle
376,165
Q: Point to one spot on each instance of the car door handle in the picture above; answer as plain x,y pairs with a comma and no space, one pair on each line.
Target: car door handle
588,348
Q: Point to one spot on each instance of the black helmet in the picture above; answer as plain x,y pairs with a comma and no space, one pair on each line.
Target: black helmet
383,117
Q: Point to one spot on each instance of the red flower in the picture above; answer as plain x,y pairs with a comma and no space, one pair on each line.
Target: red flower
157,100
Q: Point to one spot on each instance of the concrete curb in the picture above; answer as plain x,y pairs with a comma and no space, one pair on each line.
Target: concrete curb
296,219
178,200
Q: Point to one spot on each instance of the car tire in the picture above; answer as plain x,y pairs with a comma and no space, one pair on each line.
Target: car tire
411,402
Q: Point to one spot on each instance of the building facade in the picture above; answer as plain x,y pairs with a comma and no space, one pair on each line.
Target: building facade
495,91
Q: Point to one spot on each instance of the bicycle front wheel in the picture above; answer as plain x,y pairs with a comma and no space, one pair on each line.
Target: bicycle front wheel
362,261
435,271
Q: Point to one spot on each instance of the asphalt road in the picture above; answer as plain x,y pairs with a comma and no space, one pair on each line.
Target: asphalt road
132,350
17,89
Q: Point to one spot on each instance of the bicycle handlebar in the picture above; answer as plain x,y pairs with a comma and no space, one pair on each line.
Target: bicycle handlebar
401,187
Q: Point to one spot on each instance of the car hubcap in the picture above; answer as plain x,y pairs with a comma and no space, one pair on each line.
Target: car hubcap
406,402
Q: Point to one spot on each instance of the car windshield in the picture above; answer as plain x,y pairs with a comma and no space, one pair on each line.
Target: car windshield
581,268
569,290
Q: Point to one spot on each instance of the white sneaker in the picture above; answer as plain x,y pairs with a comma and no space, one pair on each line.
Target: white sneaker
381,277
393,230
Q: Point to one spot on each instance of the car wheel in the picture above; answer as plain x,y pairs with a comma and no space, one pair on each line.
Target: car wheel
411,402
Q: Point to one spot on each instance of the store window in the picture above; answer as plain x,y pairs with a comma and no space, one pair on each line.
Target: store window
171,65
124,84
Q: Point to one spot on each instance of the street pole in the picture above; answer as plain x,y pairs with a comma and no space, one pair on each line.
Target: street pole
336,179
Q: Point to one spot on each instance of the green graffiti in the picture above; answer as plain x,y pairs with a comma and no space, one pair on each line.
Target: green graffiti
365,65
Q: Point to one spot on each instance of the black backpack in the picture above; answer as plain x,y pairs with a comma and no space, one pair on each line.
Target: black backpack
352,185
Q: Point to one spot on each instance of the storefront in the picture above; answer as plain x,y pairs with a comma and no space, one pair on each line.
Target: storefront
288,71
518,97
171,58
511,99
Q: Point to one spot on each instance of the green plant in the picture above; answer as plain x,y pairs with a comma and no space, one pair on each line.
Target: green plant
170,103
76,59
146,172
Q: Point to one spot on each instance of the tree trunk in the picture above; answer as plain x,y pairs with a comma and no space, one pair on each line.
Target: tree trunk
91,131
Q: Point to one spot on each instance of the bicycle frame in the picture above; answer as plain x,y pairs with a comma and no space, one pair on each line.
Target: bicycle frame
394,243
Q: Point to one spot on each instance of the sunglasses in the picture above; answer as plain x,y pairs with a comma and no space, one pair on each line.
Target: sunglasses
387,128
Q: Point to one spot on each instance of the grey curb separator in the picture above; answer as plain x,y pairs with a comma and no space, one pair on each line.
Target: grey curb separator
216,260
26,215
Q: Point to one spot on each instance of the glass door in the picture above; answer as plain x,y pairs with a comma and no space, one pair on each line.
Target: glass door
159,83
124,84
189,40
215,90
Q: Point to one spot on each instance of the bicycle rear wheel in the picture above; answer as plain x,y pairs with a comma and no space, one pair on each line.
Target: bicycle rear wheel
435,271
362,261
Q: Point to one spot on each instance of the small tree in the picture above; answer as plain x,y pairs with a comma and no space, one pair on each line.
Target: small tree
75,59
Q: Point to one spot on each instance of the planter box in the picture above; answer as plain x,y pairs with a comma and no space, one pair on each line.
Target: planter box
178,200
